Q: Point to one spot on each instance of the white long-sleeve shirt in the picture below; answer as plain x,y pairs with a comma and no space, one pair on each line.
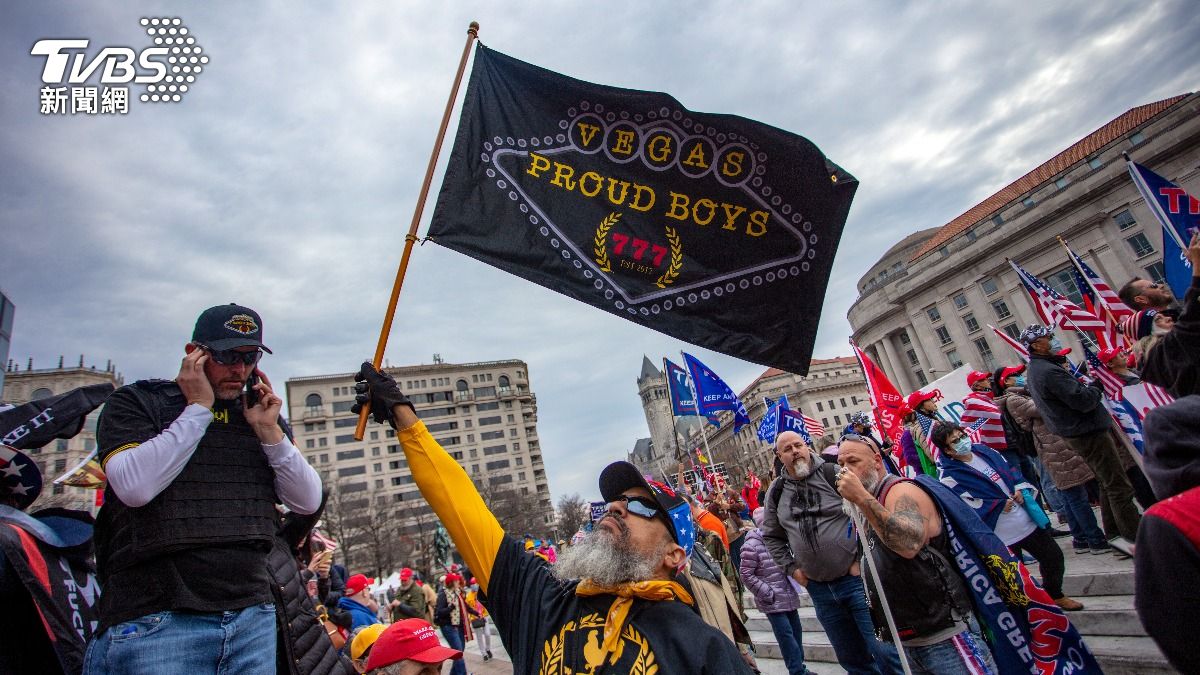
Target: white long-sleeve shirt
140,473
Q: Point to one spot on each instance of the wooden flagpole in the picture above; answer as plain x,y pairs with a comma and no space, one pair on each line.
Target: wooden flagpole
411,237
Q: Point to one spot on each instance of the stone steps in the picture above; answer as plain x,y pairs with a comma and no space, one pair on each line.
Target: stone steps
1108,623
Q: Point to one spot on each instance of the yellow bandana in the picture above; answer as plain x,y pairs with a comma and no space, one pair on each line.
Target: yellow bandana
614,623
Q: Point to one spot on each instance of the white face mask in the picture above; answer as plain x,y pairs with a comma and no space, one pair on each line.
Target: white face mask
962,446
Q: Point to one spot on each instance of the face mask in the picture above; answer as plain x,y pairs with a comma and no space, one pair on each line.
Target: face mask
1055,345
962,446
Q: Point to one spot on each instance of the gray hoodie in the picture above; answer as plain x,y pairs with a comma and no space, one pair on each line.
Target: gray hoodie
807,528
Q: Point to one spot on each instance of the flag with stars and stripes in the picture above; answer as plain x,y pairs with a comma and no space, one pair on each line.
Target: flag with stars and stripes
1113,385
1053,308
926,423
974,432
1112,309
1019,348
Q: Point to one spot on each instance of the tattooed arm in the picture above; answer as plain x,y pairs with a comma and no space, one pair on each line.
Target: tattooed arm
905,523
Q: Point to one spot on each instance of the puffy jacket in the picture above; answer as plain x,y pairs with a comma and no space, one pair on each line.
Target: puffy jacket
1068,407
302,646
772,590
1066,467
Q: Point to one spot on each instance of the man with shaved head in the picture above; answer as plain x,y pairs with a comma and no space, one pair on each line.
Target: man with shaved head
809,537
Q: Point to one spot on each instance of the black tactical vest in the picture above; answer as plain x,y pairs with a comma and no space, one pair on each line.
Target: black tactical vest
925,593
225,494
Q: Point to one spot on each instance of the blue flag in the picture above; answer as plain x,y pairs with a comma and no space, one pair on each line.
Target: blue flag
682,400
768,426
793,420
1178,213
714,394
1177,268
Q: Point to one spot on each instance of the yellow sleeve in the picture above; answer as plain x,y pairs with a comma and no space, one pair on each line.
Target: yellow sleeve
443,483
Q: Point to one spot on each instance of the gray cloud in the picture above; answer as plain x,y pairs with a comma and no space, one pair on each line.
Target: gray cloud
287,177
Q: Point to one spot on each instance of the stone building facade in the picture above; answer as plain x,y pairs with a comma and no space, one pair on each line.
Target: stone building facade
925,307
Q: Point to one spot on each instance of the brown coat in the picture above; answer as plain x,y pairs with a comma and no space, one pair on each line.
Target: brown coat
1065,466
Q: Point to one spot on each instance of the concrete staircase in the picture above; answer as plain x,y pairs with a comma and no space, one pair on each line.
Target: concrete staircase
1108,623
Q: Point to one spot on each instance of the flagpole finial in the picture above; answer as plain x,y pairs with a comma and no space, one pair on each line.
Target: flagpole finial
473,29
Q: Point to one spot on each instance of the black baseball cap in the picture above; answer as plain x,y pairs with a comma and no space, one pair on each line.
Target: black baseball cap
618,477
229,326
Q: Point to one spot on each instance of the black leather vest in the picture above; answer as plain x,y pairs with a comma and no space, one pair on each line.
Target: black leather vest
225,493
925,593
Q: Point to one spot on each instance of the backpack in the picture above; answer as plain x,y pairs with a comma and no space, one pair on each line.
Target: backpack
828,472
1018,439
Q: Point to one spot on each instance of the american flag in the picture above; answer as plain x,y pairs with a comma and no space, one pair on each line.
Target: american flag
330,545
1016,345
1115,311
926,439
815,428
1158,395
974,433
1113,385
1054,308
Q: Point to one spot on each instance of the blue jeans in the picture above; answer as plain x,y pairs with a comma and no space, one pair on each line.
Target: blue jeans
1049,490
236,642
1080,518
454,638
790,636
943,658
842,610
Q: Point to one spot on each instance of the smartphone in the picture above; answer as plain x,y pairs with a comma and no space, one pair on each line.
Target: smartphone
251,392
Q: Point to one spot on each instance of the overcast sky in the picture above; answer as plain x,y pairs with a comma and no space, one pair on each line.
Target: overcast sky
286,178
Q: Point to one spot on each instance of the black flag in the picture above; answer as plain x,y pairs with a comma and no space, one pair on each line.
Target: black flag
36,423
713,229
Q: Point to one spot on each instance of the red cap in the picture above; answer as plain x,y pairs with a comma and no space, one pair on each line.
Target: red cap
452,577
356,583
409,640
975,376
1010,371
1109,354
916,398
406,573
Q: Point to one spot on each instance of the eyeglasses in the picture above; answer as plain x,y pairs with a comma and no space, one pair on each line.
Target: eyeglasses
640,506
230,357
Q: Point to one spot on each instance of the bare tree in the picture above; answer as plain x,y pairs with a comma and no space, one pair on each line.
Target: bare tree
573,512
518,513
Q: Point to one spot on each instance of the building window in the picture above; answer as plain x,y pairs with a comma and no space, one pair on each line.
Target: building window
1013,331
1124,220
921,378
989,286
313,403
1140,245
997,220
985,352
349,454
1156,273
820,408
944,335
825,422
1001,309
960,301
1064,283
842,401
351,471
1028,202
1137,138
504,383
971,236
837,419
310,443
945,252
970,322
955,361
831,405
904,339
912,361
1062,182
934,315
1095,162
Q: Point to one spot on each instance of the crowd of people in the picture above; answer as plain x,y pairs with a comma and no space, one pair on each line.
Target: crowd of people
208,557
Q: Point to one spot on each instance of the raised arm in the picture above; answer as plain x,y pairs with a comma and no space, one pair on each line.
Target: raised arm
443,483
905,522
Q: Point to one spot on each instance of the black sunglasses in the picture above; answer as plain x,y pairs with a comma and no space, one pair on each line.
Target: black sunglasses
640,506
229,357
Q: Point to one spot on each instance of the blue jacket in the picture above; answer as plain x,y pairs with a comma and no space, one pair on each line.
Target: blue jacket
976,489
360,614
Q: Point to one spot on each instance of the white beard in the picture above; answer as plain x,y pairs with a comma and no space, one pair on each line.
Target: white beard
803,469
607,559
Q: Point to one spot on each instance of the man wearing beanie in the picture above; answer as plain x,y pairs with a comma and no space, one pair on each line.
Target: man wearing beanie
195,467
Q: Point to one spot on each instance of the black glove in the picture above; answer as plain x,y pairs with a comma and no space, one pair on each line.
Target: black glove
380,390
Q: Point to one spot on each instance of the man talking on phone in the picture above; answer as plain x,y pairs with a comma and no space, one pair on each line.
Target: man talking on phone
195,467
